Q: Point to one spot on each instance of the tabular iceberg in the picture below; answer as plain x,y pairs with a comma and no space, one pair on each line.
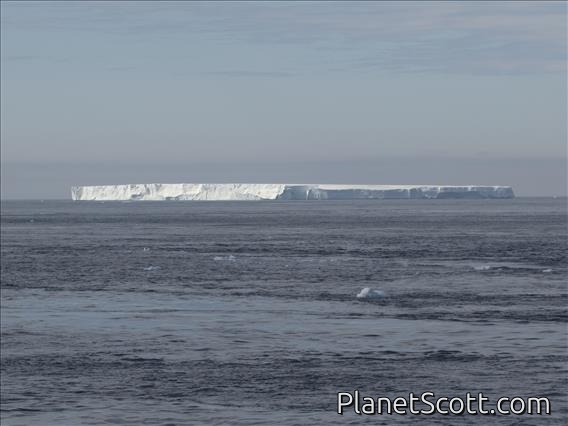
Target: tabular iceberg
257,191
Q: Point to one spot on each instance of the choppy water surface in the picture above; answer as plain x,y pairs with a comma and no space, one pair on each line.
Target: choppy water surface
246,312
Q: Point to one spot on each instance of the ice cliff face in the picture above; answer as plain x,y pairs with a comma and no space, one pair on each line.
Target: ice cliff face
178,191
255,191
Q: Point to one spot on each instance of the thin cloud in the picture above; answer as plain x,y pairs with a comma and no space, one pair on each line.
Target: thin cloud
17,58
248,73
485,37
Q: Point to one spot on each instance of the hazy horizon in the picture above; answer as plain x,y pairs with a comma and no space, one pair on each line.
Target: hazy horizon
382,93
395,171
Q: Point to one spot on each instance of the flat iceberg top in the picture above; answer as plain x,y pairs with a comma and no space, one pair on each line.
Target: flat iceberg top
278,191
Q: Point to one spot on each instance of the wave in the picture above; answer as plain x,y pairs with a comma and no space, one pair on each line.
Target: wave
371,293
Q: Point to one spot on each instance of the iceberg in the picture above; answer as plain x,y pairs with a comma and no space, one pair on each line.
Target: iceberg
262,191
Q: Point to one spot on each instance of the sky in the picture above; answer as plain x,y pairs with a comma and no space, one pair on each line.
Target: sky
444,93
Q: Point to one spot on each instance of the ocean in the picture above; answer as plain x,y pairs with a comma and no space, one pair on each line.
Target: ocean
246,313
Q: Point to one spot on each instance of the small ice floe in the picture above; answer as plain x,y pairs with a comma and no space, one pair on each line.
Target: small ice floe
152,268
371,293
229,258
482,267
547,271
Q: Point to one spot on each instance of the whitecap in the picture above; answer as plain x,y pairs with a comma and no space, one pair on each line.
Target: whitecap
229,258
546,271
370,293
482,268
152,268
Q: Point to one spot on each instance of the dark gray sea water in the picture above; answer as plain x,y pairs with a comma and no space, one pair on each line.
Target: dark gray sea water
246,312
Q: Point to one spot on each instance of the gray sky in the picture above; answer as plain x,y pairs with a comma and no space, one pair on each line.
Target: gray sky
433,93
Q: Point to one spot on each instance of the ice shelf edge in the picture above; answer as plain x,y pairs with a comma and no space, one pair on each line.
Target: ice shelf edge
240,191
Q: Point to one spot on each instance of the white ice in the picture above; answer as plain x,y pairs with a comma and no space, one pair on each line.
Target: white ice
257,191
